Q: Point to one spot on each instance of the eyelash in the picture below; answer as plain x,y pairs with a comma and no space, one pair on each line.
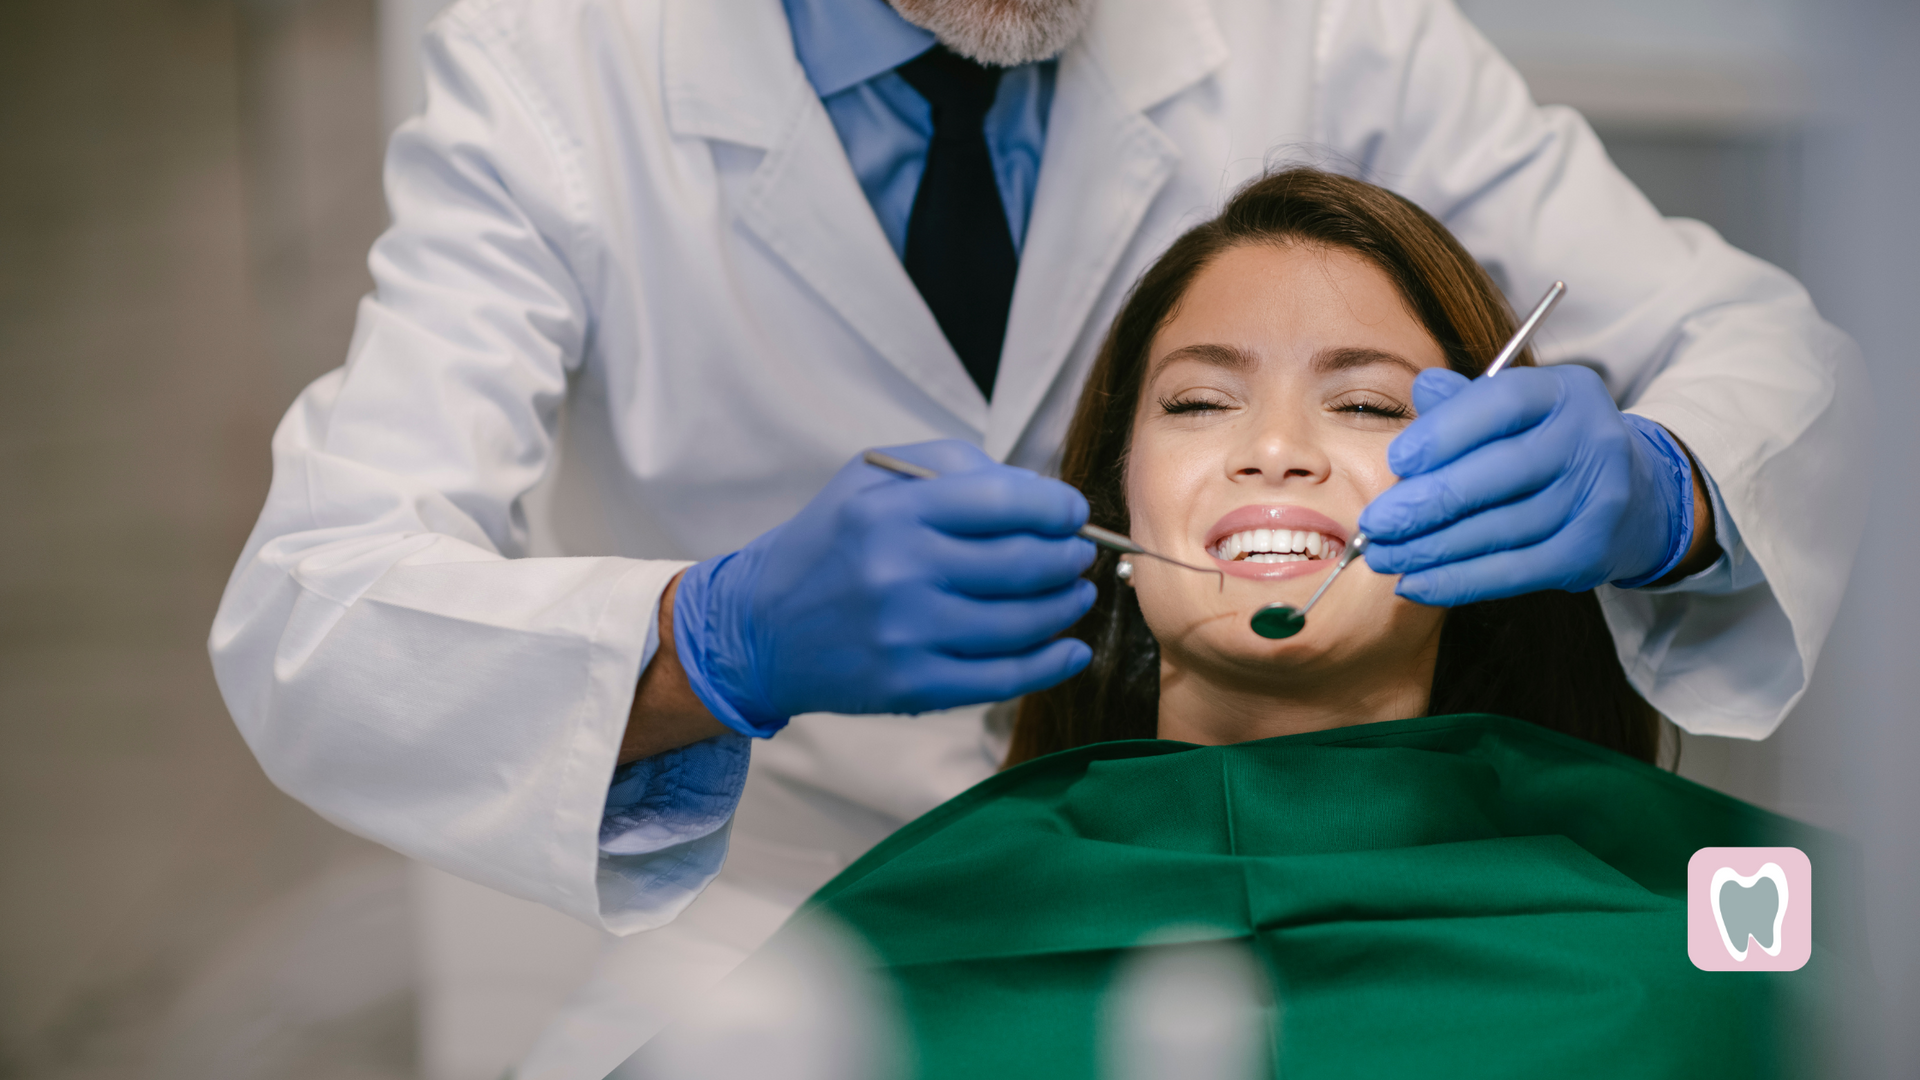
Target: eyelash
1176,406
1376,407
1366,407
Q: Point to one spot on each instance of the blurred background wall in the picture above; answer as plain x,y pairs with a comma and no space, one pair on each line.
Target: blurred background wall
187,192
187,189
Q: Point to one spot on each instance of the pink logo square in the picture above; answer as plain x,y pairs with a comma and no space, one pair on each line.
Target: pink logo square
1749,909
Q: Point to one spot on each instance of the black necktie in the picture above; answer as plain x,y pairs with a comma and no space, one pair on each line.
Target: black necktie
959,250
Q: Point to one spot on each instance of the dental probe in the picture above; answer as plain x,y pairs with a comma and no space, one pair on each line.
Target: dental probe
1105,538
1525,334
1278,620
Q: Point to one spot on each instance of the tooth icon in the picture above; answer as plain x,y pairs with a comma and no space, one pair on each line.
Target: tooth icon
1749,909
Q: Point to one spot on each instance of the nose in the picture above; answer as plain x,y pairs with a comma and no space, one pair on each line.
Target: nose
1281,450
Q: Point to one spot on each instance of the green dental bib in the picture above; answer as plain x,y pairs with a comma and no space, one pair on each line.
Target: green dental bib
1467,896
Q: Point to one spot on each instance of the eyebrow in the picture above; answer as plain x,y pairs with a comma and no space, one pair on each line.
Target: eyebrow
1328,361
1325,362
1224,356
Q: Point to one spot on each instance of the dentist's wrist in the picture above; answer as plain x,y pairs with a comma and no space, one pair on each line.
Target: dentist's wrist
665,714
711,633
1665,481
1704,550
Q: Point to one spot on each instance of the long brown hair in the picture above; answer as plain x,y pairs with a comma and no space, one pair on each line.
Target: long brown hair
1546,657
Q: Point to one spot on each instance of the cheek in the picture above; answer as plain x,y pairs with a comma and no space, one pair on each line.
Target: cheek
1362,458
1163,477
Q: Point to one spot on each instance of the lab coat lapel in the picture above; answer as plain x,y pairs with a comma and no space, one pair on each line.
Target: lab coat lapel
1104,163
731,75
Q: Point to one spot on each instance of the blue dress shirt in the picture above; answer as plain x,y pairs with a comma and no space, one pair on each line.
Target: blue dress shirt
849,49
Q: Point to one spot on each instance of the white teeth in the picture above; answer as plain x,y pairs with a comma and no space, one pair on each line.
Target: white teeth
1276,545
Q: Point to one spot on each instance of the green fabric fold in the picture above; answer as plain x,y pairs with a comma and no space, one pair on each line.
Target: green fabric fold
1445,896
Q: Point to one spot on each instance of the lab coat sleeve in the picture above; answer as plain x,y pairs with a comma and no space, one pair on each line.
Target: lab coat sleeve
1724,350
387,656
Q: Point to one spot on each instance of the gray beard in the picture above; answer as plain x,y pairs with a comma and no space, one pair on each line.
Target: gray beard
1000,33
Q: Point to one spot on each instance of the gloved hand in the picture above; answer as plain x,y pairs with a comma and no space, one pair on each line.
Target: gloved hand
1530,480
886,594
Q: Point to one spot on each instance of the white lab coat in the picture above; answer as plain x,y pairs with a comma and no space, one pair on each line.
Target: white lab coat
628,226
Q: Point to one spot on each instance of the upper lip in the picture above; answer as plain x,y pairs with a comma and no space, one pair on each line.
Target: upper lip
1274,517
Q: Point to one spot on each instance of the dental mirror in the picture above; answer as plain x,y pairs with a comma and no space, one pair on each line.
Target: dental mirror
1278,620
1281,621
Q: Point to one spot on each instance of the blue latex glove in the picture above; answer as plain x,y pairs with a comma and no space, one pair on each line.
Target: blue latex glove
1530,480
888,595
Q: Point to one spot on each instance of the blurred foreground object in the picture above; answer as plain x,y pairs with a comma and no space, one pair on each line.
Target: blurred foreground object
804,1008
1188,1012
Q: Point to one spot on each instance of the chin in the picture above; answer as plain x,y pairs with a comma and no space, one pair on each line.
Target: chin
1346,647
1235,655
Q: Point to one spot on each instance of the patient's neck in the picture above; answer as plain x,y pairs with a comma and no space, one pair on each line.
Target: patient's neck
1219,707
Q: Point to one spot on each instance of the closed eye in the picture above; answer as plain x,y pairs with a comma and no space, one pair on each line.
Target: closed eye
1177,406
1374,407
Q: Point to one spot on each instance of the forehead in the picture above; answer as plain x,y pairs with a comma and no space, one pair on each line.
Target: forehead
1290,302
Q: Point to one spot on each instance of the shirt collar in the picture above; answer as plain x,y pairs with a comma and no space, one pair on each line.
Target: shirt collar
843,43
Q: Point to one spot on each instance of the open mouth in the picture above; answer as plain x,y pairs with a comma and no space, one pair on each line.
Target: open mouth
1273,542
1277,546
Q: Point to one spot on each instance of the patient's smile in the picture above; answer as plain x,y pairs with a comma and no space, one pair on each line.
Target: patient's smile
1274,542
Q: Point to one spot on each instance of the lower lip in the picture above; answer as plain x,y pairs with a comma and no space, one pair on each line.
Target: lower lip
1271,571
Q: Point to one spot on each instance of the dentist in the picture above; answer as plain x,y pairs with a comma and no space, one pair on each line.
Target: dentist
574,524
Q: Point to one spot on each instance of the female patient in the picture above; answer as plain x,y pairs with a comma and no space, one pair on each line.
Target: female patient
1434,891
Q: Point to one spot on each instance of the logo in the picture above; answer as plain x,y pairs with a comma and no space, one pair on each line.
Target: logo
1749,909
